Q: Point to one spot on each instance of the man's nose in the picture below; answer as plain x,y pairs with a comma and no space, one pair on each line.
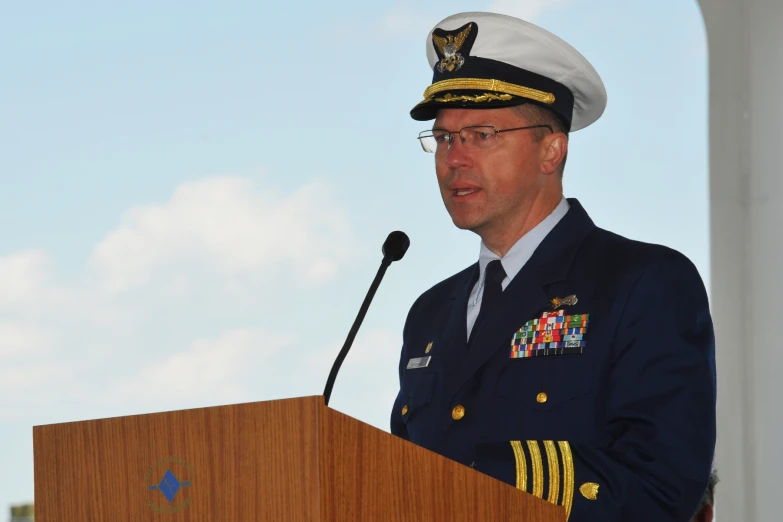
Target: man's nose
457,154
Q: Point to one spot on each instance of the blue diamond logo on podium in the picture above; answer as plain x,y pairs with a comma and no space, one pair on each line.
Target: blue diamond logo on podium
169,485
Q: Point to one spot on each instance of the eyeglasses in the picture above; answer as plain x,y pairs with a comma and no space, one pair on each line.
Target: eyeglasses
474,137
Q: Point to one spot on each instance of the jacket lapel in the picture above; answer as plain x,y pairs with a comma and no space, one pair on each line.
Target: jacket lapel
455,329
525,297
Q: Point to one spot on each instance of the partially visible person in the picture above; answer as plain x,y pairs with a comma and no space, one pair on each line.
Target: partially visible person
706,512
568,361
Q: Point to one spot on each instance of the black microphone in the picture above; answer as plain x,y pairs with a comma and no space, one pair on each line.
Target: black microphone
394,248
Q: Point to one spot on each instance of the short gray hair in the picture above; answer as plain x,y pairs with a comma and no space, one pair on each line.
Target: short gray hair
537,115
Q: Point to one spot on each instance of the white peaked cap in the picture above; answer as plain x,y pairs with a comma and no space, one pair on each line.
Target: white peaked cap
488,60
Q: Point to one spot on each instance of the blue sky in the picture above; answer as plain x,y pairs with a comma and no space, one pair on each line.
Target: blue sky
193,196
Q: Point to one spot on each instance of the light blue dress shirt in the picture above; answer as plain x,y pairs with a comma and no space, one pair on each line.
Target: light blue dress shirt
514,260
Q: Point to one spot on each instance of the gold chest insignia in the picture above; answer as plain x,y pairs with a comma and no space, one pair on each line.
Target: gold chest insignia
449,47
557,302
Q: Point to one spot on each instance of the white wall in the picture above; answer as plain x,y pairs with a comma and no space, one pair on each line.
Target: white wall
746,166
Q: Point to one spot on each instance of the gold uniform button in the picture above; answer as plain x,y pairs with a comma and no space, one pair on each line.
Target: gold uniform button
428,348
589,490
541,398
405,410
458,412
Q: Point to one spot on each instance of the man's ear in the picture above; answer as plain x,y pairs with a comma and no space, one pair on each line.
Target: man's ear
554,149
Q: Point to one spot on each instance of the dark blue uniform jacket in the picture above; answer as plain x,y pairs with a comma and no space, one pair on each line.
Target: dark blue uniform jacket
621,429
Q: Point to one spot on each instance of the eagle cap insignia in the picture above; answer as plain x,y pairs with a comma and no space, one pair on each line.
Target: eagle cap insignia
449,46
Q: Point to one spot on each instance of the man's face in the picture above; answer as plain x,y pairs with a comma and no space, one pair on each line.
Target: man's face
488,189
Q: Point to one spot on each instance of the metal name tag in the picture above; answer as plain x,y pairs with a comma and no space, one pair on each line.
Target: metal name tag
419,362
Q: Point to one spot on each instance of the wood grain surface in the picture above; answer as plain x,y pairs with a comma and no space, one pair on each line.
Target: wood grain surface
247,462
278,461
373,476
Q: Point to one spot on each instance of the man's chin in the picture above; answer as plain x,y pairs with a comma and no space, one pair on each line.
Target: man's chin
465,223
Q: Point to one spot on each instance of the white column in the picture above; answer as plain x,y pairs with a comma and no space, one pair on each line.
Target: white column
746,216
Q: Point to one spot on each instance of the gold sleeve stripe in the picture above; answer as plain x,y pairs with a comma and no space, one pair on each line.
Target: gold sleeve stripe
538,468
568,477
482,84
554,471
519,456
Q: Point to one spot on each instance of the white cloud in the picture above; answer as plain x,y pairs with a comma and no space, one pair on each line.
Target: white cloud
17,339
229,225
246,365
211,371
31,376
527,10
24,277
174,302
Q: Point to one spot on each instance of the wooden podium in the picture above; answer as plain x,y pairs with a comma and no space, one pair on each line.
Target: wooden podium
278,461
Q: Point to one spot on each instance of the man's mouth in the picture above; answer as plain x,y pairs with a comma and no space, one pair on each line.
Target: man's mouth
464,191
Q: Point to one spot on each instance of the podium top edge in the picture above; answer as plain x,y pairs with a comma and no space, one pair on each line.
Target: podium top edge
193,409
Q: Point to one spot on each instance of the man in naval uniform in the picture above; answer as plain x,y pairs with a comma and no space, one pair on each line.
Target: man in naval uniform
570,362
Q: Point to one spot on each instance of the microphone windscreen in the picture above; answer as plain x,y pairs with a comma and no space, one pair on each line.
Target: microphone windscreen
396,245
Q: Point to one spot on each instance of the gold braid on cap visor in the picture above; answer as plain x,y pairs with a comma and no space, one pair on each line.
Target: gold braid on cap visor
477,84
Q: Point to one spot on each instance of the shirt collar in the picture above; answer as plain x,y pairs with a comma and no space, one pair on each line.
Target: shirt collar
523,249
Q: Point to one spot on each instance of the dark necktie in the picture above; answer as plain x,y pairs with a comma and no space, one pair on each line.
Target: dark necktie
493,287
